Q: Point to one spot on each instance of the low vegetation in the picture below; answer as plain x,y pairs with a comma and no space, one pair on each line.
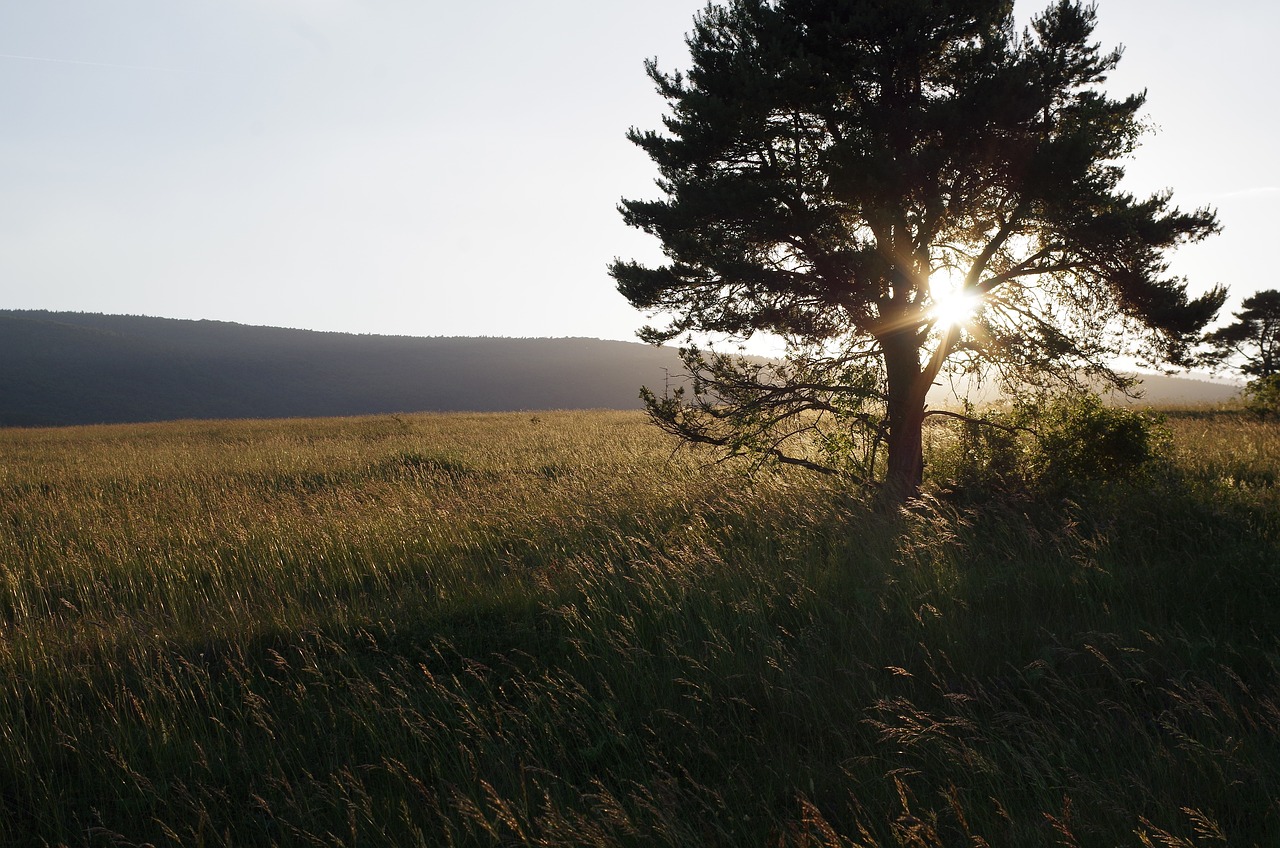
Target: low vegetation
552,630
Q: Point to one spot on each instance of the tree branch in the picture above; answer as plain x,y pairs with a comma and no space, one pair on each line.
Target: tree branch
969,419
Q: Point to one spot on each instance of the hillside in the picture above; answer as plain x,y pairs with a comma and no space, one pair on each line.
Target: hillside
72,368
59,368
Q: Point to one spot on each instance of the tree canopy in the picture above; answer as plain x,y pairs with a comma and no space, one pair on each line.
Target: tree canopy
1254,339
896,187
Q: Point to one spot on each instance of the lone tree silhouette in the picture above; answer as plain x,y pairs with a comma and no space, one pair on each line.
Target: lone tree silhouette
896,187
1254,338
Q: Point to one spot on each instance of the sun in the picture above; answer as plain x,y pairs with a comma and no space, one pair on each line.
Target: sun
952,306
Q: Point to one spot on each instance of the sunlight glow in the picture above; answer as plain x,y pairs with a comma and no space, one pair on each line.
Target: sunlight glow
951,306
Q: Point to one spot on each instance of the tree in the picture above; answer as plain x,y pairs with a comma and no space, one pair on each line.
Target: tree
1254,339
1253,344
829,166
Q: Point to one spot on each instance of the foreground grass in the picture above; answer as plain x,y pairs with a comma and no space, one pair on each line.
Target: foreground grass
504,629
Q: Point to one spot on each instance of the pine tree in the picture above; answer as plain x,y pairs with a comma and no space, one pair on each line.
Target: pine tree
1254,339
827,165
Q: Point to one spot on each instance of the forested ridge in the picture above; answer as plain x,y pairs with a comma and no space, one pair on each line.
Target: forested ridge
62,368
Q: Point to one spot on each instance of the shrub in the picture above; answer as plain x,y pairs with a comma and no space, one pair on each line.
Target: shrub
1058,444
1079,439
1262,395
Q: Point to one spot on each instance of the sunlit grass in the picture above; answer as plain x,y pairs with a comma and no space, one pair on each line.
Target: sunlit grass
554,630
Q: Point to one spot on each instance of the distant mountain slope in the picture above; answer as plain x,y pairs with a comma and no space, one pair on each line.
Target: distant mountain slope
61,368
1155,390
1161,390
73,368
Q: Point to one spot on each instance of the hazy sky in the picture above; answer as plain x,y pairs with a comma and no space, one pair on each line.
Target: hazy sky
421,167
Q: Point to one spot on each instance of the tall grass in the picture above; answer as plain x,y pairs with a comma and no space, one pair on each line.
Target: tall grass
553,630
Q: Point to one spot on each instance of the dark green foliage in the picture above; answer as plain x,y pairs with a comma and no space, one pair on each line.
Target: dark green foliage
1060,445
824,161
1252,344
1253,341
981,459
1080,439
1263,395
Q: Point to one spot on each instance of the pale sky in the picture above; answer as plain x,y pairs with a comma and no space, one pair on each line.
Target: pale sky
430,168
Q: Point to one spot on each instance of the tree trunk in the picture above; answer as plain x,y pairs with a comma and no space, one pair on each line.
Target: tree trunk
907,391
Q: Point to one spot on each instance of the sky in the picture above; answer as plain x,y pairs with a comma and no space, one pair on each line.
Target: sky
429,168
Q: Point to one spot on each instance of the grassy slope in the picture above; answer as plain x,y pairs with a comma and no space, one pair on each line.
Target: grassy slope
491,629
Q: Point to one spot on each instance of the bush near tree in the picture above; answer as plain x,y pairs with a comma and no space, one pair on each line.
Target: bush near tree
1055,446
1262,395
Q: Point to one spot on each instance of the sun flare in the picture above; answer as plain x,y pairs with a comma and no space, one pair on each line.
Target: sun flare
952,306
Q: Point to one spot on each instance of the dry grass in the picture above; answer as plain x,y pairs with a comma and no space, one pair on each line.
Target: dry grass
548,630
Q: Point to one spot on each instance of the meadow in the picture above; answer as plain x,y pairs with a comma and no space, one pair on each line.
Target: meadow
557,630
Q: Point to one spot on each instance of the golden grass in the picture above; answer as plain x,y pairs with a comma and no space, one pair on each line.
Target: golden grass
552,629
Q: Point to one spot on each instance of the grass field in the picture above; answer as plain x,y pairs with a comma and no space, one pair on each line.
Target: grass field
551,630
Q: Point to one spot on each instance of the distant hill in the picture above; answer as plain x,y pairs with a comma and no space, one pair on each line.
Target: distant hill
59,368
73,368
1155,390
1161,390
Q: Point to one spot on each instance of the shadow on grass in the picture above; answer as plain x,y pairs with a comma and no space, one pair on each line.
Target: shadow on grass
775,667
